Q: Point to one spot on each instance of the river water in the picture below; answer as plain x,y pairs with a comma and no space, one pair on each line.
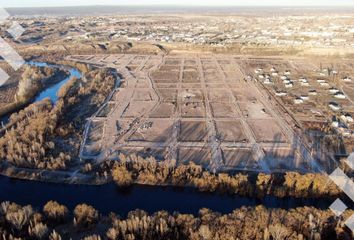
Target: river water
51,92
109,198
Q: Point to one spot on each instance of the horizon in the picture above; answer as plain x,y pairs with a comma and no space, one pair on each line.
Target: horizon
175,3
187,6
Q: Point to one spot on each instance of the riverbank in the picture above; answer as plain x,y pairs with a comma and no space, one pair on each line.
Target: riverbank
59,78
77,179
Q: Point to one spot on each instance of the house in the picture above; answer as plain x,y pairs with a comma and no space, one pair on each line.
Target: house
324,84
298,101
347,118
347,79
313,92
268,81
280,93
333,90
287,73
335,124
305,84
334,106
304,97
283,77
289,85
259,70
340,95
321,80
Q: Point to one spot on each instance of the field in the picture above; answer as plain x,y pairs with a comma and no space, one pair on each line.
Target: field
209,109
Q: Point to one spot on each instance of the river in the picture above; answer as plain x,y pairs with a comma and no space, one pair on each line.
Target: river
109,198
51,91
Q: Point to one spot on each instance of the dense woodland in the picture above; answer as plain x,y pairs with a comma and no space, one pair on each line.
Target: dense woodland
46,136
56,222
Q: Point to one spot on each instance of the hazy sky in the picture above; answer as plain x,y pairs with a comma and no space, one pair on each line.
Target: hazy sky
40,3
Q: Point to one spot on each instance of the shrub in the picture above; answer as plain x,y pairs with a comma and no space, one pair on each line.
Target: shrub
85,215
55,211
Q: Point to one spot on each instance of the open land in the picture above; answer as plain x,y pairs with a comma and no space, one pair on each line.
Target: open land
209,109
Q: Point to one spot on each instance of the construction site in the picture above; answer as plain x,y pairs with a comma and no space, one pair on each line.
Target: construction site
223,112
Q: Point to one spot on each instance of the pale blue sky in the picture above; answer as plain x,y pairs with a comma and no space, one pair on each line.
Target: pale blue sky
42,3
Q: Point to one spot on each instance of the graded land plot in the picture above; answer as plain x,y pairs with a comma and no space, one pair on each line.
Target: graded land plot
136,109
163,110
193,131
244,95
132,68
168,94
238,158
284,158
254,110
142,83
191,95
223,110
106,110
144,152
153,131
173,61
167,76
233,75
94,139
191,85
137,60
200,156
220,95
230,131
193,110
190,62
170,68
190,69
213,77
142,95
266,131
215,85
166,85
190,77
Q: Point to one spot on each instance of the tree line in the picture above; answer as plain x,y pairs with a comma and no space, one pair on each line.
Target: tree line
55,222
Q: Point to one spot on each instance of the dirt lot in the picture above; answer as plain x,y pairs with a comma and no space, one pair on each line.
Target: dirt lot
231,131
193,131
153,131
199,109
267,131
